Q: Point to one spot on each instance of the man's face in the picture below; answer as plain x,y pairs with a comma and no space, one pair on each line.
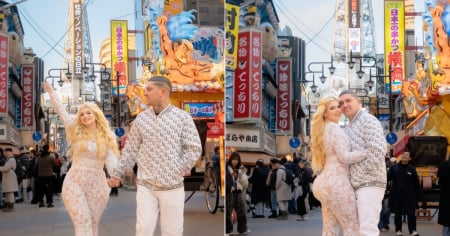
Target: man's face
350,105
153,94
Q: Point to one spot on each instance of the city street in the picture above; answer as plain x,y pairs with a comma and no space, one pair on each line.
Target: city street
313,226
118,219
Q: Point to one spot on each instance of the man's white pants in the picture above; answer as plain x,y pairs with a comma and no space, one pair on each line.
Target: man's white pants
169,205
368,201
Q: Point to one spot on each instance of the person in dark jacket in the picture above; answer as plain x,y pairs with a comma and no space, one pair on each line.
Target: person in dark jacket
45,184
444,203
305,178
404,193
260,191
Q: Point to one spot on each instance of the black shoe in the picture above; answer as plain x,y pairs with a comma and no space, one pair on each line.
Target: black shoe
41,205
258,216
50,205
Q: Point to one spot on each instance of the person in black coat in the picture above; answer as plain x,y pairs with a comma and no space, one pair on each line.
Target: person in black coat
305,178
444,203
260,191
404,193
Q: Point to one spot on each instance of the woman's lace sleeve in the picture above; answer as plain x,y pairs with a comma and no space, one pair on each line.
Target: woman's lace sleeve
111,161
341,145
58,106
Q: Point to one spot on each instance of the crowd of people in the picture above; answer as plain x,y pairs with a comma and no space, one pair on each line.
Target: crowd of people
33,176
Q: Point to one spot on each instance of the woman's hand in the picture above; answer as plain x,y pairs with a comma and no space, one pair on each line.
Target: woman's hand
47,87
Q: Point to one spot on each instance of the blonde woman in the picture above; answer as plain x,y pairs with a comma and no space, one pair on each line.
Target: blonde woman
331,156
85,191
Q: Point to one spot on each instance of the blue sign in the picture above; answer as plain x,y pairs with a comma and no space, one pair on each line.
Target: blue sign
37,136
294,142
391,138
119,132
200,109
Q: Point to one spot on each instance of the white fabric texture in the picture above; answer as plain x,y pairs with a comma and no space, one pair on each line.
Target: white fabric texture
168,204
332,187
369,207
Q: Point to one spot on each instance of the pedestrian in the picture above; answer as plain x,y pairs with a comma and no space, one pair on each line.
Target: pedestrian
282,189
24,160
368,177
270,182
236,199
165,143
33,176
85,192
305,179
404,193
9,180
260,191
444,202
2,163
331,155
45,182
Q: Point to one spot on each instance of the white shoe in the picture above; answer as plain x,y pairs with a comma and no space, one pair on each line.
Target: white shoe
399,233
414,233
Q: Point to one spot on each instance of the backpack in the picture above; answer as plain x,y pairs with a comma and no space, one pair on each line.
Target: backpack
289,177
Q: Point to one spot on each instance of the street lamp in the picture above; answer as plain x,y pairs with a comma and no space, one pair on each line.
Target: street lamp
360,72
67,73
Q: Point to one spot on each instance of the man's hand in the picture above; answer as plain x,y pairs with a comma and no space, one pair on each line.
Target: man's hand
114,182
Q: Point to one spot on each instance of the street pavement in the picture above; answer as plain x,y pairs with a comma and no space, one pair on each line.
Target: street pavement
119,220
313,226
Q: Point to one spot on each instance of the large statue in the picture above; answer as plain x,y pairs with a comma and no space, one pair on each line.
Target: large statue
185,73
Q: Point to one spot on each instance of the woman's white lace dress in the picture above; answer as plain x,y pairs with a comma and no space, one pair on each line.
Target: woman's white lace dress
85,191
332,186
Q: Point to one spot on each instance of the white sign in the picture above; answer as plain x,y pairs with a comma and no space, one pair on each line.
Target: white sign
243,138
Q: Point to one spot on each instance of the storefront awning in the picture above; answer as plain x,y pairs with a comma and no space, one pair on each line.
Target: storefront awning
250,158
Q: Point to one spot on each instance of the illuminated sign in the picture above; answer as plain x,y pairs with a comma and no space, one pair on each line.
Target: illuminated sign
231,35
27,108
78,38
119,56
4,74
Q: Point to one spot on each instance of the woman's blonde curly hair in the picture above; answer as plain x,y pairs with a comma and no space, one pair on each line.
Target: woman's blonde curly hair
317,134
104,137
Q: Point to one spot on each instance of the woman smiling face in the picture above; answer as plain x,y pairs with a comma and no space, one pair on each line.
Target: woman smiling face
87,117
333,111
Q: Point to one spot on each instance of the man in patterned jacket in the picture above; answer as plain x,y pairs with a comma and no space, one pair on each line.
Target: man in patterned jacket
367,177
164,143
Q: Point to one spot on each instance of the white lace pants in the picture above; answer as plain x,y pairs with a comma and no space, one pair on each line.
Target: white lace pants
368,201
169,205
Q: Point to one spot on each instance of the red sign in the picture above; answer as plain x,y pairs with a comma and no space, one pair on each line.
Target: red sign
283,115
27,107
4,55
247,81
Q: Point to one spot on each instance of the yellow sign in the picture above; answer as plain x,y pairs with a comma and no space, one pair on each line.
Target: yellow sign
119,56
231,34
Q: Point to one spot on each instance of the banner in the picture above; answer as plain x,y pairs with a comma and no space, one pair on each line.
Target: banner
27,101
119,56
78,38
247,80
4,74
394,44
231,35
283,100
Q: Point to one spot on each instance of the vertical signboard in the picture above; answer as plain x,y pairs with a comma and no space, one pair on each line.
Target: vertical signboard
27,100
394,43
119,56
4,74
77,40
231,35
283,100
255,74
354,26
247,81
